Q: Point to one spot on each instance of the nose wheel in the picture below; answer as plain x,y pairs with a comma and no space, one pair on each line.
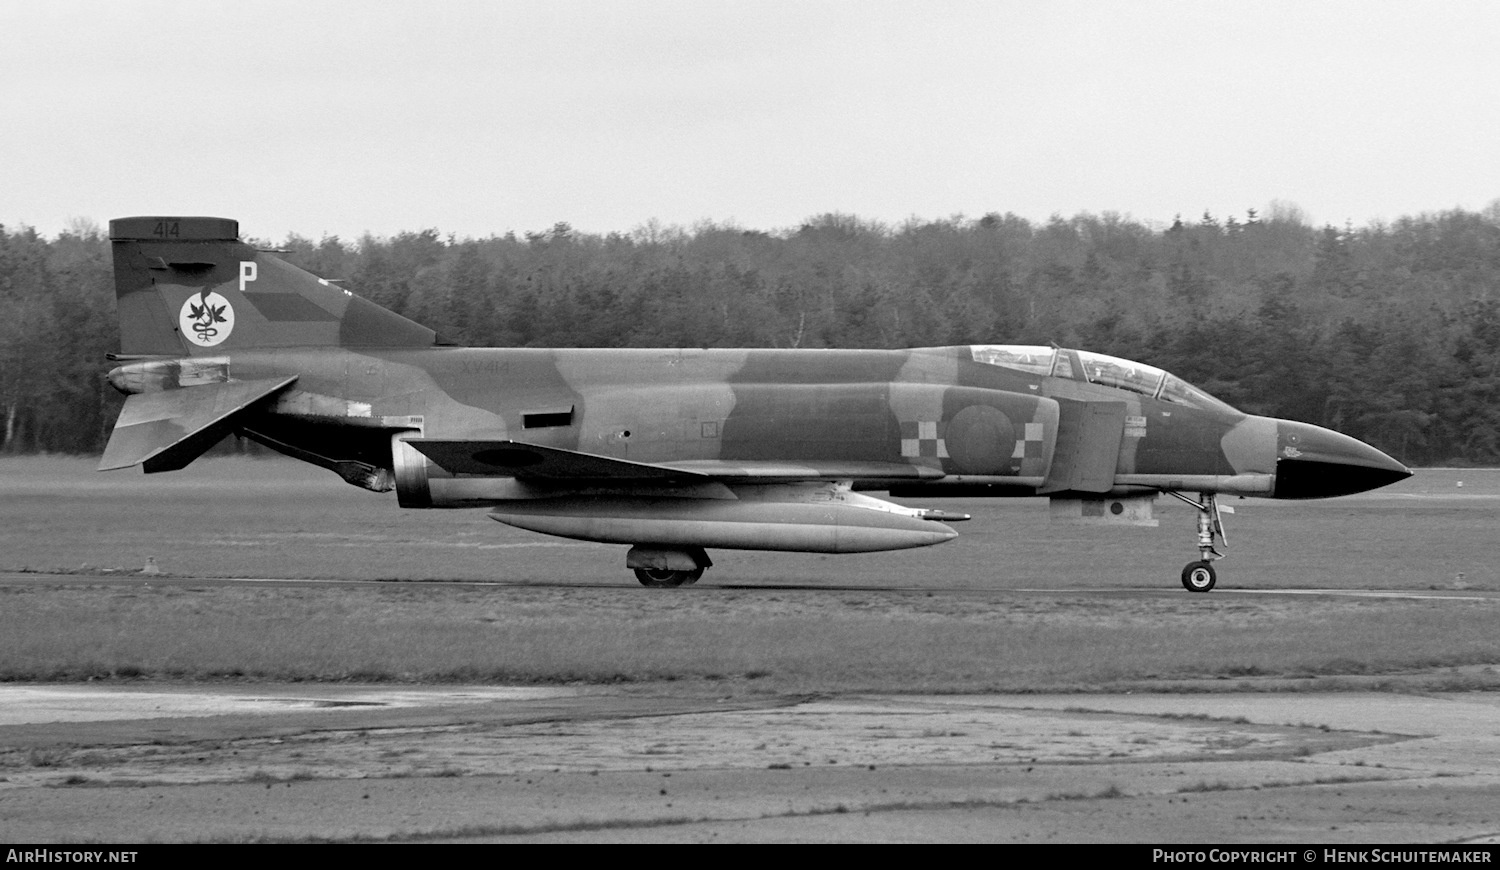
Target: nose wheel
1200,576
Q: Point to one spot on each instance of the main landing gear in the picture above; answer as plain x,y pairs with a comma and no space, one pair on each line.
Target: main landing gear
658,578
660,567
1200,576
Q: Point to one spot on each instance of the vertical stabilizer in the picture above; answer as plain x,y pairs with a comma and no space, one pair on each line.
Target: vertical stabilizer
187,286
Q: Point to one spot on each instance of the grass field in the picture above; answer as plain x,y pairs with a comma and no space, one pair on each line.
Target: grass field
950,618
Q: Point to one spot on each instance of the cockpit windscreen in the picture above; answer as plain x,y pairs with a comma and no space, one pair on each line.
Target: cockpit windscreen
1097,368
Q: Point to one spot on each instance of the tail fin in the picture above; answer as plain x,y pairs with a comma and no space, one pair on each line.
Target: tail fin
187,286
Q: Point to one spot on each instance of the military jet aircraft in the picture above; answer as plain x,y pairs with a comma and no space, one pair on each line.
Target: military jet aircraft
673,452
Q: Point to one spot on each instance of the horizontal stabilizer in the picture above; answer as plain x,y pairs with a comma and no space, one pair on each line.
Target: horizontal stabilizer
167,430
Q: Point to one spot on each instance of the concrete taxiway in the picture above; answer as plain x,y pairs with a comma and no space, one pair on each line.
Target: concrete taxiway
152,763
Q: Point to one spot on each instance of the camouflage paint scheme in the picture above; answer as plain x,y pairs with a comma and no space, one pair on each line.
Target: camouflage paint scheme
669,450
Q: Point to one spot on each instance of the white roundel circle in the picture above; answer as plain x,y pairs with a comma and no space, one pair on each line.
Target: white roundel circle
206,319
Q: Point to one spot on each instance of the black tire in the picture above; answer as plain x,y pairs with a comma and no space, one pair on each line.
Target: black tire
665,578
1199,577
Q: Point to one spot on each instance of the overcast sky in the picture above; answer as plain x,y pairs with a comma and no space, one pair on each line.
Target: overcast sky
478,118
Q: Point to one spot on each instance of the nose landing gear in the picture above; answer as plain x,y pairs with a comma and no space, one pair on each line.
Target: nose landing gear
1200,576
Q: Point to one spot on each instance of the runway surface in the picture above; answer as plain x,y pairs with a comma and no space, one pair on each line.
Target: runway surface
137,578
486,763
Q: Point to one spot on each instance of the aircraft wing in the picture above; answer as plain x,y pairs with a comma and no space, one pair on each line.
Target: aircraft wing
520,459
761,470
164,431
535,461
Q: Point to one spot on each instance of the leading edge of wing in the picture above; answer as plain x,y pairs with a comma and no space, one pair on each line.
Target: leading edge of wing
524,460
520,459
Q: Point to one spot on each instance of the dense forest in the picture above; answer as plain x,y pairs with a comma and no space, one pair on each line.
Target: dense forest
1390,332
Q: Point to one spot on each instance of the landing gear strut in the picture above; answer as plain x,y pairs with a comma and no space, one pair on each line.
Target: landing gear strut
1200,576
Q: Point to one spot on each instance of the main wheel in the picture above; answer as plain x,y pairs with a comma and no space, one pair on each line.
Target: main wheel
1197,577
660,578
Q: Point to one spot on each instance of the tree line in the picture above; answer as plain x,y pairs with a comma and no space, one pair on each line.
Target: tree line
1389,332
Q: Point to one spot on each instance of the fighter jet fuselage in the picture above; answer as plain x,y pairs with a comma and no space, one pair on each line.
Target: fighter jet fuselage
673,451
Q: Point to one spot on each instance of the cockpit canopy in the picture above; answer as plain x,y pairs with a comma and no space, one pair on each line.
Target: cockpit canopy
1096,368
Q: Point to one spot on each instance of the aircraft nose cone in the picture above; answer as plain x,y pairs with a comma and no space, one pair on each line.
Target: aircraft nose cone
1313,462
